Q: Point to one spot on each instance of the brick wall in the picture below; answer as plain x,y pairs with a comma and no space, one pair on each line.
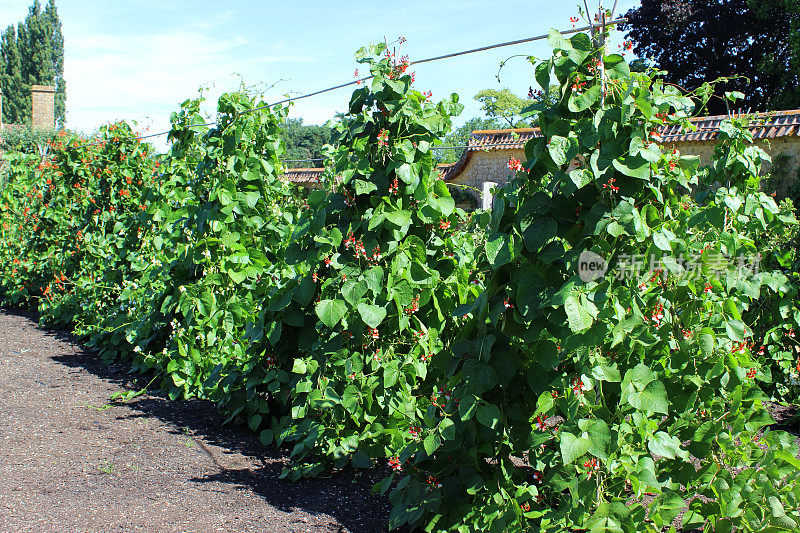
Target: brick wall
776,148
491,165
487,165
43,106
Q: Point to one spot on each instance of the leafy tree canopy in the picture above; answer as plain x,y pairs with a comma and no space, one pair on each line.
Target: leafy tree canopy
33,54
304,142
700,40
503,105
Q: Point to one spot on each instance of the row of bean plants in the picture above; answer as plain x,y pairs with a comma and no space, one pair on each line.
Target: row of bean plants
371,323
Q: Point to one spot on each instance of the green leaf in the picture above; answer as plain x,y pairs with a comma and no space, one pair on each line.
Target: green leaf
633,166
558,147
447,429
500,249
573,447
364,187
374,279
330,312
597,432
779,516
661,242
405,173
539,233
547,354
665,445
352,291
581,101
579,318
372,315
707,344
557,41
391,374
254,422
488,415
467,407
432,443
652,399
581,177
399,218
444,204
266,437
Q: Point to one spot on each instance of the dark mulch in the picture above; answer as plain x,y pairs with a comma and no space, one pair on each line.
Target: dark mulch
69,461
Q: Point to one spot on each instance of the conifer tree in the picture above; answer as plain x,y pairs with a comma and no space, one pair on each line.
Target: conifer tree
11,78
33,54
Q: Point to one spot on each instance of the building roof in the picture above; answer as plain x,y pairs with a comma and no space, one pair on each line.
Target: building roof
303,175
489,140
768,125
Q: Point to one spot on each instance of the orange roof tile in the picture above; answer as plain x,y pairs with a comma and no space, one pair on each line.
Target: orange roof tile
303,175
768,125
764,126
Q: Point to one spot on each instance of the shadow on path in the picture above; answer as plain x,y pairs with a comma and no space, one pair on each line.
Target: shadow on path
345,496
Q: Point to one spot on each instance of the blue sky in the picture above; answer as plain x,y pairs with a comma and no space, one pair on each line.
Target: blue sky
138,59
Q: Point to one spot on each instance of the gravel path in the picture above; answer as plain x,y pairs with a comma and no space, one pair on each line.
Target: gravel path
70,463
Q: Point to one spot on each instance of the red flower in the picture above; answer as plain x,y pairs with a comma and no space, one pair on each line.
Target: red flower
515,164
383,138
444,224
751,373
573,20
434,483
394,463
414,306
591,464
610,185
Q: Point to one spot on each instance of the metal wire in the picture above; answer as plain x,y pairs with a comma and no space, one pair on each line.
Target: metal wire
361,80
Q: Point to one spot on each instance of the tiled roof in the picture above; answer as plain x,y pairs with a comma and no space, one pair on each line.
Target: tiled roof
303,175
489,140
763,125
502,139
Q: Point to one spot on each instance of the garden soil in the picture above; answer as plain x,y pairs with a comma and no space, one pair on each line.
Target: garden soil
73,461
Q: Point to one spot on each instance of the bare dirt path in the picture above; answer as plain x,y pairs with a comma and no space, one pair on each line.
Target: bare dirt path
70,464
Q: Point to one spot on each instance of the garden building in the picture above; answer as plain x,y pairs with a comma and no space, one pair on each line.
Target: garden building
484,163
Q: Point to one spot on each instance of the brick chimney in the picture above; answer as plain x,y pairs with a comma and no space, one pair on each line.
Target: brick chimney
43,107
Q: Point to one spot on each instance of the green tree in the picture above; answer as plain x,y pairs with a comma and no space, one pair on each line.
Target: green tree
503,105
460,137
14,101
304,142
33,55
700,40
57,48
